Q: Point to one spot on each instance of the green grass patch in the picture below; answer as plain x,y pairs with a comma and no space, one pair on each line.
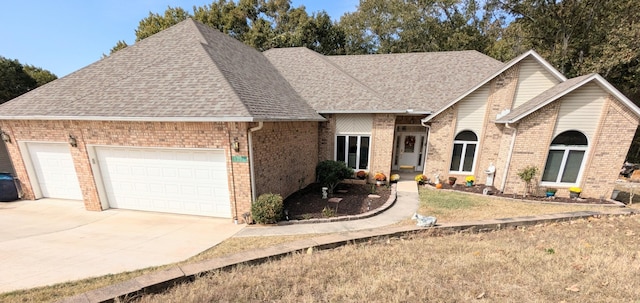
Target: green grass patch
452,206
451,200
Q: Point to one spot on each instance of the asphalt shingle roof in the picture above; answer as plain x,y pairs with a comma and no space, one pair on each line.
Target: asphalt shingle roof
189,72
381,83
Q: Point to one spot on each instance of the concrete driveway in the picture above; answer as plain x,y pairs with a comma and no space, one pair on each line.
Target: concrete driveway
50,241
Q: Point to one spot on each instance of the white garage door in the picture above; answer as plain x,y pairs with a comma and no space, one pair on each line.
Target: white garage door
53,166
180,181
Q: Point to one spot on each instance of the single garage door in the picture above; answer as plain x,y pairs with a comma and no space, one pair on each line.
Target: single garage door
183,181
53,167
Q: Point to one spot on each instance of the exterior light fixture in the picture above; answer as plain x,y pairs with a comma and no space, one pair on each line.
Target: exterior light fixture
72,141
5,137
235,144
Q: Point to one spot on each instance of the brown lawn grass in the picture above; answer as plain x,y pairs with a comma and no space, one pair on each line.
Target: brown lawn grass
593,260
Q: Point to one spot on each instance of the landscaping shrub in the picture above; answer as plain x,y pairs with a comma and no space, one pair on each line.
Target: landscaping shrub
330,173
267,208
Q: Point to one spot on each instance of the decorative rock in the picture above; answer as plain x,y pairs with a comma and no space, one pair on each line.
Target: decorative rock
335,200
372,196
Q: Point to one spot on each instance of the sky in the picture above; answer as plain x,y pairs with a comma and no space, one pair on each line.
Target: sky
65,35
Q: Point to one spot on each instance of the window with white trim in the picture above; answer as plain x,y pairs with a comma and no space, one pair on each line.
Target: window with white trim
566,154
465,145
353,150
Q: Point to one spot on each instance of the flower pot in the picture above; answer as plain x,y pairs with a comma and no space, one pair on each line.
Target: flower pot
469,184
574,195
379,183
550,194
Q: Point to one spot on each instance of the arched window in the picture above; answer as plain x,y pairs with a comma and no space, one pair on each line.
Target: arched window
464,152
565,158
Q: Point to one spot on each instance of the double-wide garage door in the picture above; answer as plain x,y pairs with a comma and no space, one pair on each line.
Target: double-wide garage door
181,181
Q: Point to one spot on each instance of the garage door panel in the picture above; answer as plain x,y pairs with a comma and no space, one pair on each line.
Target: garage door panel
54,170
168,180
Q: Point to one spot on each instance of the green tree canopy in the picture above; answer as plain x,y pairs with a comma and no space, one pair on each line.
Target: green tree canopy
17,79
262,24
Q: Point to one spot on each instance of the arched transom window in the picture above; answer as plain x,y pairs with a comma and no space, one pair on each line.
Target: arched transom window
465,145
566,157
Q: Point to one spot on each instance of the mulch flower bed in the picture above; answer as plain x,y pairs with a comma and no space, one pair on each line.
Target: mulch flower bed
307,203
479,188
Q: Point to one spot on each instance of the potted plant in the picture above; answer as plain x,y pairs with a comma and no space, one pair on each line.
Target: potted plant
394,178
421,179
361,175
551,192
574,192
380,178
469,180
452,180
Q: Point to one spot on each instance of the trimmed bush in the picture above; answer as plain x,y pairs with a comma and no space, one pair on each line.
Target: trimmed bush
267,208
330,173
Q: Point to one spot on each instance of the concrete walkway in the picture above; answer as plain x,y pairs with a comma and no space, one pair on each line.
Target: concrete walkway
404,207
51,241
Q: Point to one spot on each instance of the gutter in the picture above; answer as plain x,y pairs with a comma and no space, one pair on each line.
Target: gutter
426,150
511,146
251,168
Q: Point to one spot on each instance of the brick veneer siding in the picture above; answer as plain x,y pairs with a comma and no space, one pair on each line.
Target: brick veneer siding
492,143
534,135
286,156
382,136
440,144
615,133
133,134
327,138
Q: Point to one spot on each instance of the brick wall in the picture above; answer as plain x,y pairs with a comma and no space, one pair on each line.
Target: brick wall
382,144
609,149
133,134
492,143
286,156
327,138
440,144
534,135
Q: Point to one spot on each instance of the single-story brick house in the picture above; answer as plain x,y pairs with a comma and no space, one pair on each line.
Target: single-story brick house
192,121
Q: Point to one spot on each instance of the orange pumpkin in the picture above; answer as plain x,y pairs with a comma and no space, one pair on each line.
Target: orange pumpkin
439,185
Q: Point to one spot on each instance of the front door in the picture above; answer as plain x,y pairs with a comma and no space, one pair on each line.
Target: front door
409,148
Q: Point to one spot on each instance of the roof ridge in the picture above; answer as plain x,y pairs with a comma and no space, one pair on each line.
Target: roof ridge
199,27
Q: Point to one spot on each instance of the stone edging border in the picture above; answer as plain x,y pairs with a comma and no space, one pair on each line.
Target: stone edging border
158,281
393,196
614,203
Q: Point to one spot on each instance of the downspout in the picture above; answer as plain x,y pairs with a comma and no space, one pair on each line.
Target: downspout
506,166
426,150
251,169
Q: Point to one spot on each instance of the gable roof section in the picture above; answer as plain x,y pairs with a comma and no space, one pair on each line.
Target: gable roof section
189,72
422,82
386,83
561,90
324,85
531,53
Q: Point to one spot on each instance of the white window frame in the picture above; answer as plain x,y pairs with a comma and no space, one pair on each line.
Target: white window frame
567,149
464,153
346,151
